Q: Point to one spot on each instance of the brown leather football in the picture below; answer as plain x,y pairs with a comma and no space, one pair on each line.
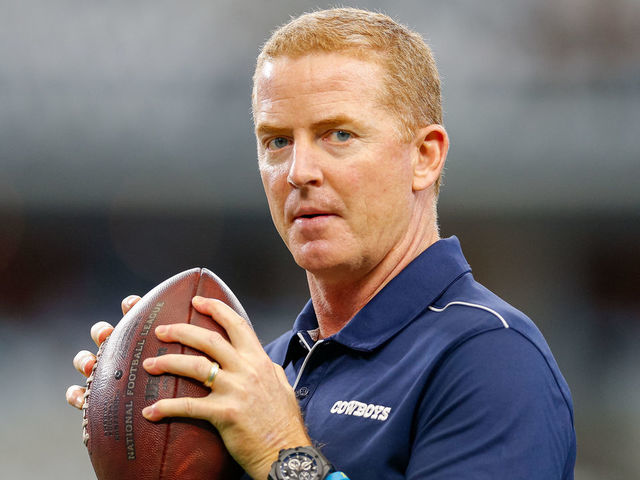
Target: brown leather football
124,445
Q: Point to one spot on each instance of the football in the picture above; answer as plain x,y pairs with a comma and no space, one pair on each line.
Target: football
124,445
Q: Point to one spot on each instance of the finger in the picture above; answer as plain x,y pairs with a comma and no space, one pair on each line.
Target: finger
240,333
100,331
84,362
75,396
190,407
129,302
208,341
192,366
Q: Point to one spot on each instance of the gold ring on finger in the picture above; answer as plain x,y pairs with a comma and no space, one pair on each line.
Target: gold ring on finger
212,374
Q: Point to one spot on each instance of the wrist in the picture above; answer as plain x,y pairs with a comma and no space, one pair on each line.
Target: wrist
260,470
260,467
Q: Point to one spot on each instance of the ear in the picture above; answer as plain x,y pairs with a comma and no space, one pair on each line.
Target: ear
431,147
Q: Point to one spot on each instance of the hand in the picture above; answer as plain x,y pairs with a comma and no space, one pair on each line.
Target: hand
85,360
251,404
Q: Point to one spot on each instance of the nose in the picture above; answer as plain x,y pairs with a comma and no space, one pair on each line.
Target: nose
305,169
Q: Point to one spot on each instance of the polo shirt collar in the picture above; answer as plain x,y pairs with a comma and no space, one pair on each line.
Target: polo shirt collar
400,301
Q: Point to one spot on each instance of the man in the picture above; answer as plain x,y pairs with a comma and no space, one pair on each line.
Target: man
402,366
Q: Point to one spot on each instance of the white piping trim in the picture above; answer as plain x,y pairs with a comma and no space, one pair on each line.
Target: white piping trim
304,340
467,304
304,364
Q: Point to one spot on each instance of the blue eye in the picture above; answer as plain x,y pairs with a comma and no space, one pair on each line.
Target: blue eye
340,136
278,143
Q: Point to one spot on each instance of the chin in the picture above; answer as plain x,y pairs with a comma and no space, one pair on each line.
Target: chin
329,266
326,256
317,260
315,264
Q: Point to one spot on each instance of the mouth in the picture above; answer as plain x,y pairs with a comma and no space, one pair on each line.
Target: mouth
312,215
309,213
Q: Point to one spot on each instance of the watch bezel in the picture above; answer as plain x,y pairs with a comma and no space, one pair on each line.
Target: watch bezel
322,464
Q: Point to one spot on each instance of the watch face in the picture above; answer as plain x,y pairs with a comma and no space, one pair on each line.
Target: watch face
298,466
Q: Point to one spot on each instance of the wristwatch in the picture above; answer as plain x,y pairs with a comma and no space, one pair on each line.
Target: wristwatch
300,463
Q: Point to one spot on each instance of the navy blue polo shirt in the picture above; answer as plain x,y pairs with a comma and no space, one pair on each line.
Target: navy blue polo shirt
435,378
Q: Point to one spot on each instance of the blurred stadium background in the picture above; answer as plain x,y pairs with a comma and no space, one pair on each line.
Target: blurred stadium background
127,155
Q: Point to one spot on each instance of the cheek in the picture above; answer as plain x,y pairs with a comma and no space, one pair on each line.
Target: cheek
388,182
272,178
387,193
274,181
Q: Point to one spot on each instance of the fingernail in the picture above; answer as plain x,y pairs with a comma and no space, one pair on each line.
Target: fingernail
161,329
103,334
98,328
129,300
85,362
147,412
73,397
81,359
149,362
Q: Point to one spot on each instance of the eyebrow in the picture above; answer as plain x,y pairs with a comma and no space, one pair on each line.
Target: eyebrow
335,121
266,129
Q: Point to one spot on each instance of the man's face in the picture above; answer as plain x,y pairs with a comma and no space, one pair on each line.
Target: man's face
337,177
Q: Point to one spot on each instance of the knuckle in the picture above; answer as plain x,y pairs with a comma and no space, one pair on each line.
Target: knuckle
253,378
216,307
169,328
220,310
217,303
236,318
179,330
162,407
203,367
170,332
265,365
230,415
159,363
189,407
244,392
213,338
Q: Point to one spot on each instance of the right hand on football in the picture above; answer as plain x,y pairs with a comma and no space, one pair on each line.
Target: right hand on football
85,360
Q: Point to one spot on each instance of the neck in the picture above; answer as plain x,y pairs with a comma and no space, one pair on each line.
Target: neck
336,301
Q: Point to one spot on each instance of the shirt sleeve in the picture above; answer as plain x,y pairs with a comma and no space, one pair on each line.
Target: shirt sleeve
493,410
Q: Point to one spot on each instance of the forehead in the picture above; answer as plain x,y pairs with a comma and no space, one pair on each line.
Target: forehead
314,83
